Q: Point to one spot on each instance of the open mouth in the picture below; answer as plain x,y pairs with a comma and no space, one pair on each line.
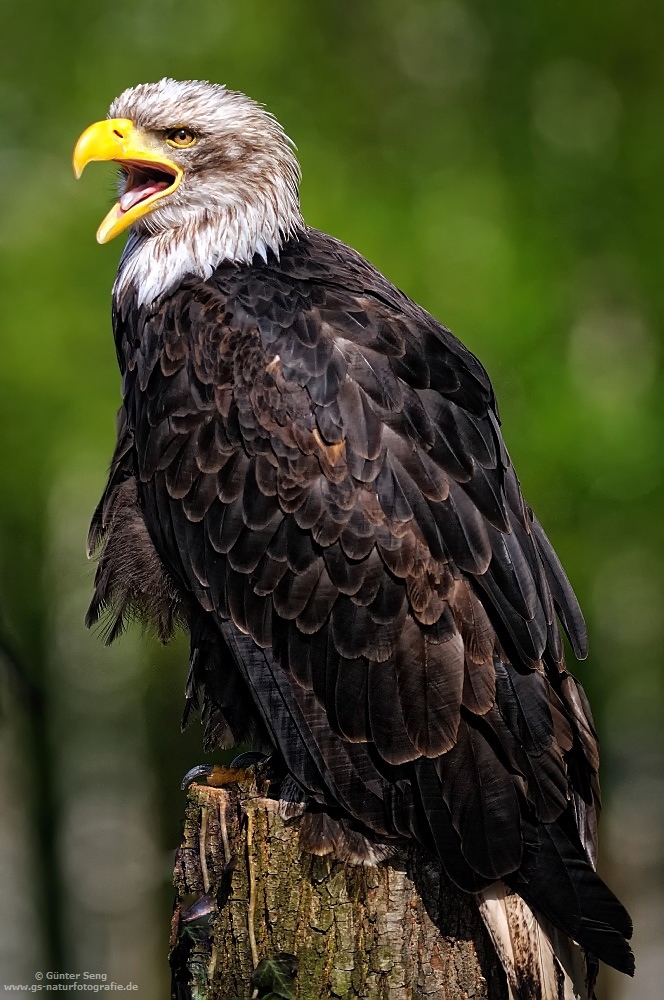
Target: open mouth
144,181
146,174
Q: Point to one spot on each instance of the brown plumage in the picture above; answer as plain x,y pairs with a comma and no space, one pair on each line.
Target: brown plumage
317,468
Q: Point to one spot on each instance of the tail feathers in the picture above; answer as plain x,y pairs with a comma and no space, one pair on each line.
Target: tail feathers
541,963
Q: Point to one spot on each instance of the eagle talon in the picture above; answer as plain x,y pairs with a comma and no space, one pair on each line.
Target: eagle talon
194,773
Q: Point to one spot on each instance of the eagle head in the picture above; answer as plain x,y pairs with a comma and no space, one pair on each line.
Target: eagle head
199,164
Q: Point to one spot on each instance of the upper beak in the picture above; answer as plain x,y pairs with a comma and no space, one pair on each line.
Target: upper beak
118,139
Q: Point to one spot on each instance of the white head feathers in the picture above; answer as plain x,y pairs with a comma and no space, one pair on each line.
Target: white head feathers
238,196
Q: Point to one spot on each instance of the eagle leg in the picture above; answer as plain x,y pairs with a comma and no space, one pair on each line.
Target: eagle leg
244,770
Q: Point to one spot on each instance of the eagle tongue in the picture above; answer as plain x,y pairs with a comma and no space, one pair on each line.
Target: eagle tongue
140,193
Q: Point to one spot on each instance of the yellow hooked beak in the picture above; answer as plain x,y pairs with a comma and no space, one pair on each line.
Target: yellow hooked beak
150,175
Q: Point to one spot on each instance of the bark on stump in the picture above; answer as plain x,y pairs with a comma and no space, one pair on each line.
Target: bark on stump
247,894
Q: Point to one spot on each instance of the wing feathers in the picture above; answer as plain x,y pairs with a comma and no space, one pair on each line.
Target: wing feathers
430,686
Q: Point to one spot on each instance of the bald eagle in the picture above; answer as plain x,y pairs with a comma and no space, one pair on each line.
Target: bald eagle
310,474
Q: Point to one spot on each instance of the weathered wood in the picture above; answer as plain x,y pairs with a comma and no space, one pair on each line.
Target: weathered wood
390,932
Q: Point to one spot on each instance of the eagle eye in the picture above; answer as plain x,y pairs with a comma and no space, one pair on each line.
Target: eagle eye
180,138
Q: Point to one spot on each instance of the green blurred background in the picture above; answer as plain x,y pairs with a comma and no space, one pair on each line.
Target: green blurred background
503,164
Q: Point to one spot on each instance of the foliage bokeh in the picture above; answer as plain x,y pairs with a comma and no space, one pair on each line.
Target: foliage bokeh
500,163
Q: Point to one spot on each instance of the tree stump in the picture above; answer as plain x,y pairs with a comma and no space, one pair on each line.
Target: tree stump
256,917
